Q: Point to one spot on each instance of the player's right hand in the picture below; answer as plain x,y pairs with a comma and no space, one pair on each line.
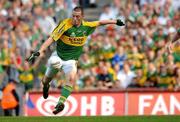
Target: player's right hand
33,57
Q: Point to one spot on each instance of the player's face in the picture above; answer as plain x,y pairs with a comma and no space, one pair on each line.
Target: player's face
77,18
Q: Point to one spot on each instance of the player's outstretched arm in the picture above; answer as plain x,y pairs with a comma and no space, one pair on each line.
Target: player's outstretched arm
117,22
44,46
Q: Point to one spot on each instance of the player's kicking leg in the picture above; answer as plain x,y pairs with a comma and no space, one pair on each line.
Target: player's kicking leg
70,72
66,91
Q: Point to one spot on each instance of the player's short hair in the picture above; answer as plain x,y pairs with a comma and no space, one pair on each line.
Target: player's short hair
79,8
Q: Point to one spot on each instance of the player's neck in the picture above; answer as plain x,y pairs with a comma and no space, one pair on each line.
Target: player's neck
78,25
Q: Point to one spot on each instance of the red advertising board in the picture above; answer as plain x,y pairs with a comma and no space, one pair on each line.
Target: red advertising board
154,103
78,104
116,104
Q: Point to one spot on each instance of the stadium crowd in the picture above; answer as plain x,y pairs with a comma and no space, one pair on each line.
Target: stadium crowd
133,56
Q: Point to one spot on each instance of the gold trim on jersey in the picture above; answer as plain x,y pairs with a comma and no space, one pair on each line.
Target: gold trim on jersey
74,41
67,24
90,24
61,28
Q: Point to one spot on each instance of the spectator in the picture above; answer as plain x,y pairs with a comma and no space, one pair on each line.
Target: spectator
89,84
164,79
85,61
152,75
150,24
105,77
140,79
170,64
101,86
24,44
107,48
107,13
177,78
119,57
60,11
46,21
26,76
10,99
126,76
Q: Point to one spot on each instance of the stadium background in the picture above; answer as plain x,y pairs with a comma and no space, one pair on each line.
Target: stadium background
123,70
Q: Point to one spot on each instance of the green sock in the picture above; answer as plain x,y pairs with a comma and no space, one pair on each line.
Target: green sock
66,91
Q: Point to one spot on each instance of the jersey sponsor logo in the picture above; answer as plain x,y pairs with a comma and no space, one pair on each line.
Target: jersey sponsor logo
76,40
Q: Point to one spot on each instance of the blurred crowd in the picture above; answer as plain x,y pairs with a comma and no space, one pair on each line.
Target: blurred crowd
114,57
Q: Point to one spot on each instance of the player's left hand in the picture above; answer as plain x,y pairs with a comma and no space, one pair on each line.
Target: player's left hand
120,23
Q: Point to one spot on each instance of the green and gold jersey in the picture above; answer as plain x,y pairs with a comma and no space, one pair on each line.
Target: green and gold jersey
70,39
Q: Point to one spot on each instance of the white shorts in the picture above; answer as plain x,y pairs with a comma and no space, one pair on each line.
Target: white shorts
55,63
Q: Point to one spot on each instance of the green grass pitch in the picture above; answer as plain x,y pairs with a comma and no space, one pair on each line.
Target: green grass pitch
94,119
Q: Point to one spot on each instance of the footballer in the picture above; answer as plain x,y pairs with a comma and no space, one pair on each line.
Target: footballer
70,35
